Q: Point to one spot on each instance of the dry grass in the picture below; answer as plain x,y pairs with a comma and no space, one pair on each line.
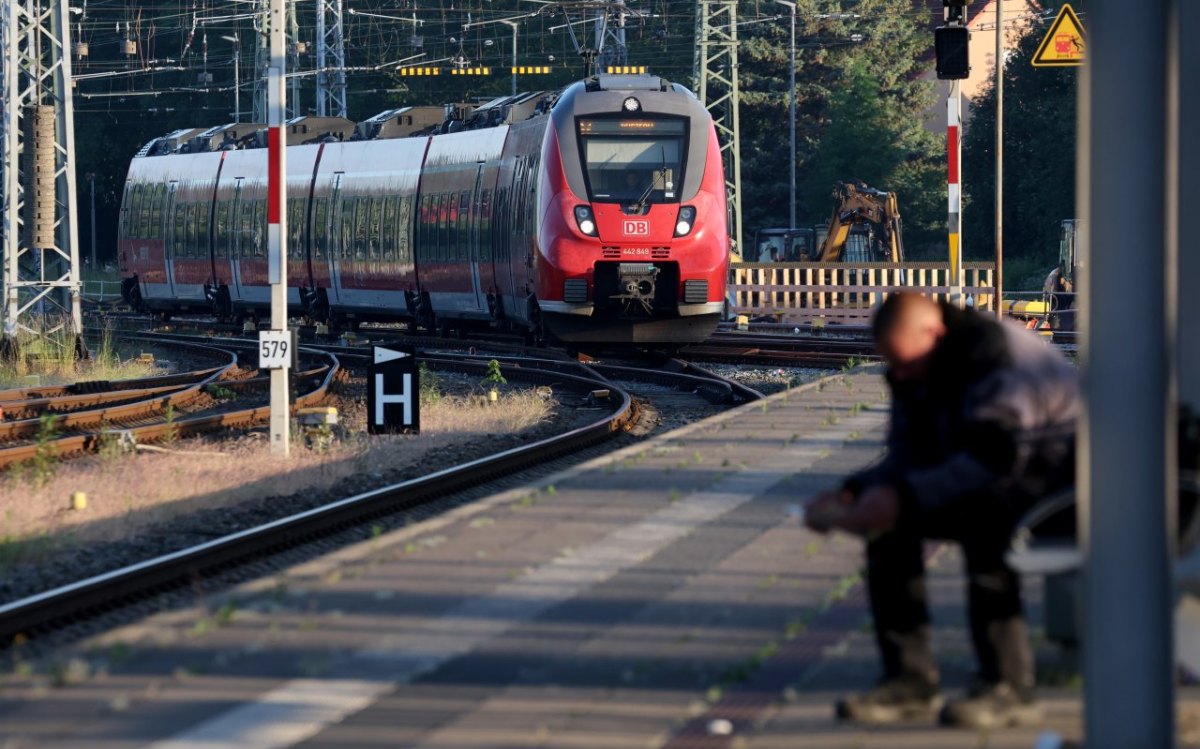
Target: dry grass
126,494
53,361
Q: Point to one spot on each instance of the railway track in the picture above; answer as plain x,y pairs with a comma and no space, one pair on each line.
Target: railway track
781,350
145,410
604,386
37,615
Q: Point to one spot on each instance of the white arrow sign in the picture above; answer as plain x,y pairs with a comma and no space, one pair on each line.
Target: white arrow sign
386,354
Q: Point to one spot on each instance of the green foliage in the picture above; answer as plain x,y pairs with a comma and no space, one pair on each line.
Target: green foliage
220,392
45,460
169,416
494,376
860,110
430,390
1039,163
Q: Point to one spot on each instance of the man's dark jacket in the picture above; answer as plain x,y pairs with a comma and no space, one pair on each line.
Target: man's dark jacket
995,416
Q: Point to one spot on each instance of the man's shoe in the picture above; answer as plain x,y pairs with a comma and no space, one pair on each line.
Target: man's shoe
891,701
998,705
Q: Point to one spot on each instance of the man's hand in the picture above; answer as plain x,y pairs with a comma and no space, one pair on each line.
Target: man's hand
875,512
824,513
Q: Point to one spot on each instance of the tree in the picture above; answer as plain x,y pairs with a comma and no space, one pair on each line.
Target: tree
1039,163
860,107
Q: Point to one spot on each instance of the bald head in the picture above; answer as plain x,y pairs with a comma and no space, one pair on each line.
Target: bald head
907,329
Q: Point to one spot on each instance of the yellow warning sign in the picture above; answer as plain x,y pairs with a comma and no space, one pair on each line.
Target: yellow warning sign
1064,45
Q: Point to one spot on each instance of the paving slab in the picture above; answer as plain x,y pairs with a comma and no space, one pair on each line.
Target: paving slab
638,600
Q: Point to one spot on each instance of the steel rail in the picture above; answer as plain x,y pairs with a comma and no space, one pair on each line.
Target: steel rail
129,418
29,617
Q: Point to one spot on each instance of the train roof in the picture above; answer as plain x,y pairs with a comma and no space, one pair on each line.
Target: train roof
400,122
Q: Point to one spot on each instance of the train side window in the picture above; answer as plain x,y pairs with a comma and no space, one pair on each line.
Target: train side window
429,242
501,214
123,220
296,216
464,225
346,231
404,230
144,211
221,235
156,211
179,225
424,240
388,239
320,227
362,220
203,220
189,231
246,229
133,211
260,228
375,230
450,226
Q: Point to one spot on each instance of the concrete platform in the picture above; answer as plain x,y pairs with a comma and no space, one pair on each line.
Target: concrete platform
659,597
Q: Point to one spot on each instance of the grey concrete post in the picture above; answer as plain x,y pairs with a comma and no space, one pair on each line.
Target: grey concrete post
1189,240
1128,674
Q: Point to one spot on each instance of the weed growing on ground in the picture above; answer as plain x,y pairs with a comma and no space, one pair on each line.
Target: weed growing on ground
45,462
494,376
430,391
220,392
169,416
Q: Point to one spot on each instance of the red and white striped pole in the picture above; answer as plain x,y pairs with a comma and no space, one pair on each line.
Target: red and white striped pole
954,187
277,223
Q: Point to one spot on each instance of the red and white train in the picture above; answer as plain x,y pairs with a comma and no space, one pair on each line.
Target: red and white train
596,214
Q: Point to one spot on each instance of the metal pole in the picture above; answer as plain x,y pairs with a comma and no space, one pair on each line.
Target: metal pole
277,218
1188,243
954,186
1127,428
792,123
237,88
514,64
91,178
999,279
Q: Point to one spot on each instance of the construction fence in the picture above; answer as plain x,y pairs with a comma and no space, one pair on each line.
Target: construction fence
846,293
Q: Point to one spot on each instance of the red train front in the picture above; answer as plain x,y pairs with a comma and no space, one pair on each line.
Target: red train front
632,240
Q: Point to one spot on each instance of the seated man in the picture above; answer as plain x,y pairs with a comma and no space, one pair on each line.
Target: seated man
982,427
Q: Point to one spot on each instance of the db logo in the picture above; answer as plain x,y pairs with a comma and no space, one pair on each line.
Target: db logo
636,228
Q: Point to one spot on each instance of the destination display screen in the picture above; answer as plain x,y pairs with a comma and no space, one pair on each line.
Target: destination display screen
609,126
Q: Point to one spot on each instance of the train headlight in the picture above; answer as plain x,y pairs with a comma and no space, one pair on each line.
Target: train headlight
683,224
585,220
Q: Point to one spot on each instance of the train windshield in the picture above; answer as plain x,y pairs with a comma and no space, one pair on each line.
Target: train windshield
633,160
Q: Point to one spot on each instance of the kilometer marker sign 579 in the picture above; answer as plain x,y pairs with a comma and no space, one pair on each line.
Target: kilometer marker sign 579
393,391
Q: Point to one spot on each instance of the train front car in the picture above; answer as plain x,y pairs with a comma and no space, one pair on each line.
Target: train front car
632,239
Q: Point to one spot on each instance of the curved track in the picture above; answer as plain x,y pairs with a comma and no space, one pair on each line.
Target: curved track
30,617
69,422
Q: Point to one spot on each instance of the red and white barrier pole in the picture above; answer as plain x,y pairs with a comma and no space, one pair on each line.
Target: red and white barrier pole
277,226
954,186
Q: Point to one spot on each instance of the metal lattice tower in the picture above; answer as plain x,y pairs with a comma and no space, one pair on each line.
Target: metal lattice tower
716,72
610,35
262,60
40,239
331,60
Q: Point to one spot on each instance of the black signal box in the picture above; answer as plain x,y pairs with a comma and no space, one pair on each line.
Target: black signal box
953,57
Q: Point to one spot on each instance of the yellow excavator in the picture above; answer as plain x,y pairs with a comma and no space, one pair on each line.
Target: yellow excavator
864,227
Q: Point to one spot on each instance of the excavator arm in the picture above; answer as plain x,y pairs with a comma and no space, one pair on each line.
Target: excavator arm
854,203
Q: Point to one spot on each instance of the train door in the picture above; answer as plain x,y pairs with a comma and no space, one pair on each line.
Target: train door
244,235
475,250
334,251
234,234
173,241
